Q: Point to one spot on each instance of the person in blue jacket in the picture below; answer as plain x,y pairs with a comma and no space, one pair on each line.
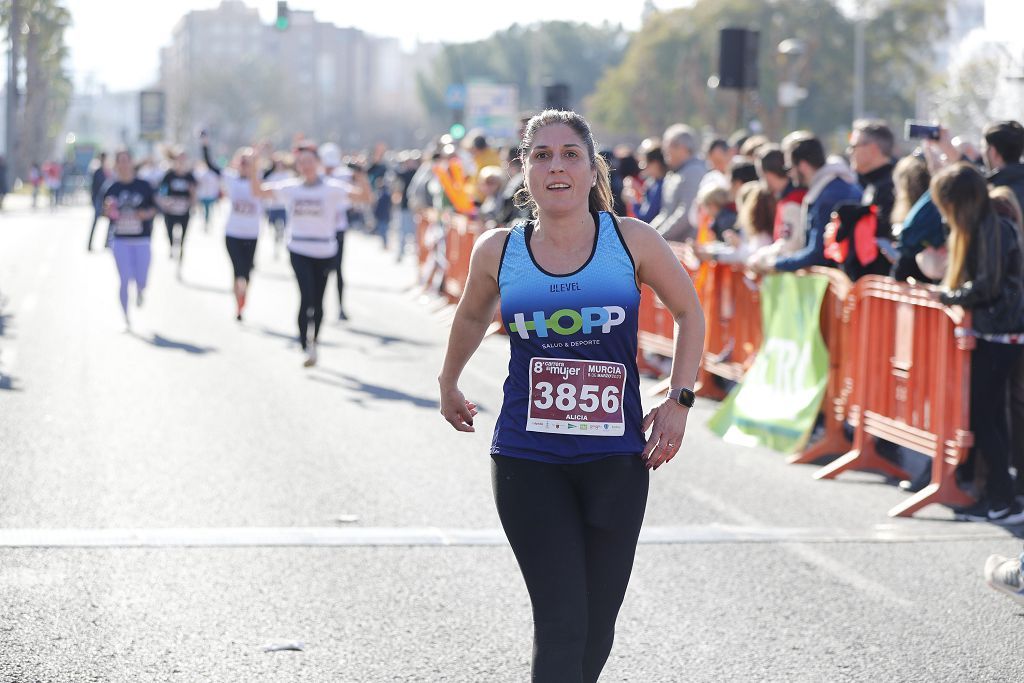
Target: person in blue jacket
828,183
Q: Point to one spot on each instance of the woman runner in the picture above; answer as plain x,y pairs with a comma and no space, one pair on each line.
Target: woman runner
130,204
243,224
177,190
569,457
313,203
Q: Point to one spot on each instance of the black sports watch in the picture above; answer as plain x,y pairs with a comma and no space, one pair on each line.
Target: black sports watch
683,396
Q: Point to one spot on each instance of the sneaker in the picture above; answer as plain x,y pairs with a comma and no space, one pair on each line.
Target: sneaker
974,513
342,316
238,317
1003,574
310,356
138,299
1011,515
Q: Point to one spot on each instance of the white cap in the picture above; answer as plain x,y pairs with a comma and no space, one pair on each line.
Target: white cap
330,155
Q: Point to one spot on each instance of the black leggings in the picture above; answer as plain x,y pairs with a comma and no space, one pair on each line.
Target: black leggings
311,274
573,529
242,253
337,268
170,221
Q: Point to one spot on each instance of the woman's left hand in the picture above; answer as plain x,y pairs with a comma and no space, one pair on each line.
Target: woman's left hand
669,424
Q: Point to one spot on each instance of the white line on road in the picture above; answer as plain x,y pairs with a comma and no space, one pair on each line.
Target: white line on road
435,536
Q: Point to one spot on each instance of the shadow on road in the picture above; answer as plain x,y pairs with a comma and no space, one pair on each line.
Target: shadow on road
387,339
373,391
293,338
162,342
210,289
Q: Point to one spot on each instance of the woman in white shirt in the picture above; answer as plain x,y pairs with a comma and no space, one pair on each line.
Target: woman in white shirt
313,203
243,224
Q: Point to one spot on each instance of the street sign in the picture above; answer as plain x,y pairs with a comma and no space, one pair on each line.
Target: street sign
493,108
455,96
151,114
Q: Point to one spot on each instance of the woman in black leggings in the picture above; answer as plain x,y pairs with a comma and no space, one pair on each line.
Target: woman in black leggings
570,460
313,203
177,197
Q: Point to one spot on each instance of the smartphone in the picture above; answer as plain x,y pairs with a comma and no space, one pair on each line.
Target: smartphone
888,249
920,130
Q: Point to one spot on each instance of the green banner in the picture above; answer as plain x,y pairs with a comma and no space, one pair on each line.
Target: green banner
778,401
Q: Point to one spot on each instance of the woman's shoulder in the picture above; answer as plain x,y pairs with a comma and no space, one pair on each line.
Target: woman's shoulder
635,232
492,242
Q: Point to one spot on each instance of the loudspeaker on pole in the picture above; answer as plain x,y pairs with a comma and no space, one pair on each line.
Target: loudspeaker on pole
737,58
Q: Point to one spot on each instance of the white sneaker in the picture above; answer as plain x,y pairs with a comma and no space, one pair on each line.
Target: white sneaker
1003,574
310,356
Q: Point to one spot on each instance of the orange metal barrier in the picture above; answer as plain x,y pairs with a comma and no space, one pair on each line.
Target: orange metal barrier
911,386
836,318
460,235
422,250
733,311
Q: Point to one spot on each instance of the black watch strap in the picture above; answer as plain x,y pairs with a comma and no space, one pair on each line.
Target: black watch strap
684,396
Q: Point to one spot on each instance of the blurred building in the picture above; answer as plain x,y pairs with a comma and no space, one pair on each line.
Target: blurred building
325,81
107,120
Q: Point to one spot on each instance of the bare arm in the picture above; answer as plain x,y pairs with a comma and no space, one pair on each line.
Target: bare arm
658,267
260,190
472,316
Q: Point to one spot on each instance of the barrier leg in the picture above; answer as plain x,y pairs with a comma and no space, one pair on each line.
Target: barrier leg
834,442
863,457
942,490
707,387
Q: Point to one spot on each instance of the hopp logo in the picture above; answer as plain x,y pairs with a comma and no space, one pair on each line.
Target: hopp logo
586,319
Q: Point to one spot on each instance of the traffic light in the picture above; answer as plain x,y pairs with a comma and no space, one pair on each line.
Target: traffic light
282,16
457,131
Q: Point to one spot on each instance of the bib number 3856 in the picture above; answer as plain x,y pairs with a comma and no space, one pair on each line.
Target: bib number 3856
576,397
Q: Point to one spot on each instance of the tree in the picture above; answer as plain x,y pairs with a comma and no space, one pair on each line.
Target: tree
527,57
47,87
241,101
663,76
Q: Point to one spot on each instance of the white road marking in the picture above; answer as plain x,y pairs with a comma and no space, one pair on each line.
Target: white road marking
436,536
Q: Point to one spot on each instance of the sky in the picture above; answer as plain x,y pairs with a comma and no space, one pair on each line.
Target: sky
117,42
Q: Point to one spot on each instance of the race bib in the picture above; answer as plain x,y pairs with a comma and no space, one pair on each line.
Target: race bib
176,206
243,208
576,397
129,225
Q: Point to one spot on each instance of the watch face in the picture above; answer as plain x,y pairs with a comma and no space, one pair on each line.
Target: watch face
684,397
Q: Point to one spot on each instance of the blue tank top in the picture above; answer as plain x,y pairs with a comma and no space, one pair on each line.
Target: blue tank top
573,390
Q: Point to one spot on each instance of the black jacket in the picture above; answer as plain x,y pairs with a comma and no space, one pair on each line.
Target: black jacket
994,291
1011,176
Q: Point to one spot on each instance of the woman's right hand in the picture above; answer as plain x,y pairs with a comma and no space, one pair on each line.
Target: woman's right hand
457,409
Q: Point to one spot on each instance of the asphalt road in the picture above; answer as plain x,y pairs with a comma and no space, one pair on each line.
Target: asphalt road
177,499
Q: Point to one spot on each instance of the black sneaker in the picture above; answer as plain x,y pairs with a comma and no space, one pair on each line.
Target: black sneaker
1010,515
975,513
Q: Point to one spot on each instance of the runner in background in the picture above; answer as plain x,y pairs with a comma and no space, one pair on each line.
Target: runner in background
330,157
313,203
569,458
130,204
207,192
242,228
176,197
100,178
